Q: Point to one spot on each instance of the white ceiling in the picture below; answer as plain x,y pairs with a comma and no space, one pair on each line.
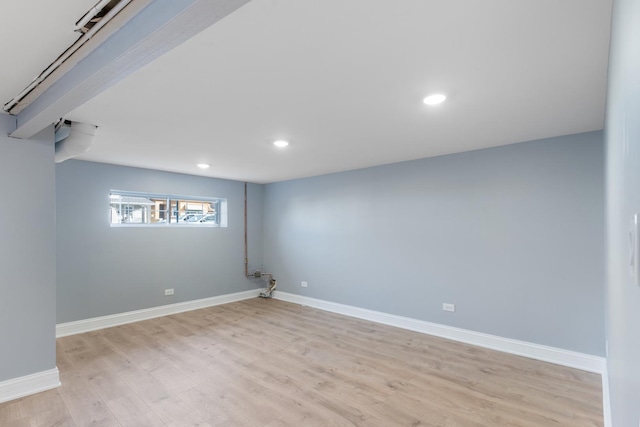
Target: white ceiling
342,80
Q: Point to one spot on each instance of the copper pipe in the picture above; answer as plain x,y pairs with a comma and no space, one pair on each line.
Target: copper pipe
258,273
246,243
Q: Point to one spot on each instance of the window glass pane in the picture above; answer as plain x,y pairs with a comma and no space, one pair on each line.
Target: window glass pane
158,210
197,212
130,209
175,214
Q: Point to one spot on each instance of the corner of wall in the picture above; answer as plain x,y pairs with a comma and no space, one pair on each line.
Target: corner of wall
29,384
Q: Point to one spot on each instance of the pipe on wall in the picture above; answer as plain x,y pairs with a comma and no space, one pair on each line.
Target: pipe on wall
271,284
246,243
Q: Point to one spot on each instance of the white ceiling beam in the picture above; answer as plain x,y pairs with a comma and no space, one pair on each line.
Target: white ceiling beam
142,32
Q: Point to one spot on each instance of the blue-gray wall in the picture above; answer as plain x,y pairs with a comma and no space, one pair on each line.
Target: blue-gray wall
512,235
623,200
27,253
103,270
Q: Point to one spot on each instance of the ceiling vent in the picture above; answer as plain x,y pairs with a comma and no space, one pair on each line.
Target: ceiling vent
73,139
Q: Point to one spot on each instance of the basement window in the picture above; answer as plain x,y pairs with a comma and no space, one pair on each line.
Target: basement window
143,209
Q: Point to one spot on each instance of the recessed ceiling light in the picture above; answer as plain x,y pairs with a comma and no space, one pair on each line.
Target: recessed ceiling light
281,143
204,165
436,98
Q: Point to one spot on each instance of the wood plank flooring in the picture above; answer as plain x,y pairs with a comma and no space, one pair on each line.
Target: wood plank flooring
271,363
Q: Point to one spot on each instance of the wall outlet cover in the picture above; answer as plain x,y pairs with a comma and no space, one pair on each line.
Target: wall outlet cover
448,307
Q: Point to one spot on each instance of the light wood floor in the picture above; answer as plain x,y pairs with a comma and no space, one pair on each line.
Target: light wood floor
270,363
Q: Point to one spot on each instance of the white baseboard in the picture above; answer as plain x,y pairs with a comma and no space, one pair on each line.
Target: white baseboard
572,359
95,323
29,384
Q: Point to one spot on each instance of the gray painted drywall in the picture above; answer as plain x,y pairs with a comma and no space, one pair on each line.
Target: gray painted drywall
104,270
27,253
512,235
622,135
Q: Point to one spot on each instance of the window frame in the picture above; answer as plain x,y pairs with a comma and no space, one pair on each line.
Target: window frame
173,204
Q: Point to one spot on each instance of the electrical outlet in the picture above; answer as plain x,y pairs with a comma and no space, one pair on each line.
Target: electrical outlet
304,284
168,292
448,307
